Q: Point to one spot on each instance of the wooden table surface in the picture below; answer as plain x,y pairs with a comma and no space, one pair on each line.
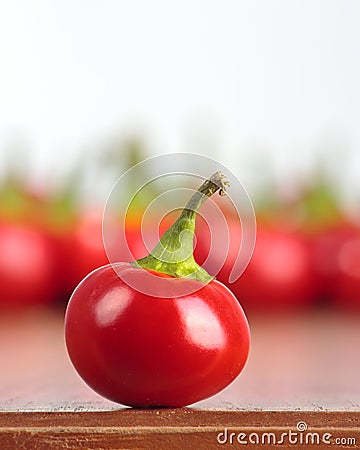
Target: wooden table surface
303,371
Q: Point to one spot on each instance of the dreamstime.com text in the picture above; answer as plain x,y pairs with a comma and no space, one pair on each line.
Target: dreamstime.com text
302,436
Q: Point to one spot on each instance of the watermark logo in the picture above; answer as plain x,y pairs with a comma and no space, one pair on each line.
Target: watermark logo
303,436
301,426
174,178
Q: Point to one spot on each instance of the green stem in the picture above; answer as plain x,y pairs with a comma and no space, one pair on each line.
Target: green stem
173,255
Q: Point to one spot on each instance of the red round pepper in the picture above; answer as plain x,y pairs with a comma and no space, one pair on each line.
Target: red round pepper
159,332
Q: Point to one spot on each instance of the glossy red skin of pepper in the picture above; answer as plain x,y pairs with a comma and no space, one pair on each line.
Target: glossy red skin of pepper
145,351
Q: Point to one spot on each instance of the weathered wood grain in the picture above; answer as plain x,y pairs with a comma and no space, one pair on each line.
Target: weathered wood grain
174,429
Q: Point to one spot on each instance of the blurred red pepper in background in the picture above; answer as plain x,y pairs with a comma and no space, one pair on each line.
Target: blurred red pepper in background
307,252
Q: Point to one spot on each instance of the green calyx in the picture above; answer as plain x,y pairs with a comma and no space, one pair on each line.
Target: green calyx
173,255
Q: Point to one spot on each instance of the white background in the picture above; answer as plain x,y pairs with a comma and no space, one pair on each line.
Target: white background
257,84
